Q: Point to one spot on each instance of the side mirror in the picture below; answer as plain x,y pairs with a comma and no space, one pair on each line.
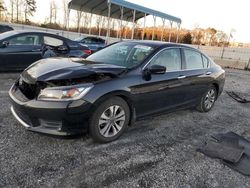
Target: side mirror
157,69
4,44
154,69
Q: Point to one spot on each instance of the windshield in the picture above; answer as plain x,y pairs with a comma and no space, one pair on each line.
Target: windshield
7,34
126,54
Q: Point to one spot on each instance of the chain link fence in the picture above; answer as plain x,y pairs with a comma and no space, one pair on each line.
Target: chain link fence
234,57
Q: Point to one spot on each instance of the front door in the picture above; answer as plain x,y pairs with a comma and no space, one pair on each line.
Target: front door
163,91
21,51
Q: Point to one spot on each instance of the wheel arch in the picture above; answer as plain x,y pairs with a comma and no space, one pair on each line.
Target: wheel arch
216,85
126,96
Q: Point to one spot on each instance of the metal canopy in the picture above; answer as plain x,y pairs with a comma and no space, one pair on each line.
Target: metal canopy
101,7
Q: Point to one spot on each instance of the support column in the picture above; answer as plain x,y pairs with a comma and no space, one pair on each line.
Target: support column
170,34
153,34
79,26
108,29
117,31
126,32
68,16
178,33
121,8
144,25
133,28
100,25
163,28
90,23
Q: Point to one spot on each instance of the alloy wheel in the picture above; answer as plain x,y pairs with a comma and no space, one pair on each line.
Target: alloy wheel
210,99
112,121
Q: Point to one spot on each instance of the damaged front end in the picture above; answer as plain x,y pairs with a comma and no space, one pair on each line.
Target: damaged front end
69,87
50,80
48,96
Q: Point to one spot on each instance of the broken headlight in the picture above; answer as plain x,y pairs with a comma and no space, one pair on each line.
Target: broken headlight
64,93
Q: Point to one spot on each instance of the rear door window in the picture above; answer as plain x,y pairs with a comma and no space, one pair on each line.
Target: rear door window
193,59
88,40
51,41
94,40
101,41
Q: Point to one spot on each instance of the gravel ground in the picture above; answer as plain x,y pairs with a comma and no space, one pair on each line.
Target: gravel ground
156,152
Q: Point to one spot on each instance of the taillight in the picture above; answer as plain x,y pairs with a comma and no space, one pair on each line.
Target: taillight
87,52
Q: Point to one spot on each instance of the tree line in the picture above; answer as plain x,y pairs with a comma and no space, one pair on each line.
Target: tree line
21,11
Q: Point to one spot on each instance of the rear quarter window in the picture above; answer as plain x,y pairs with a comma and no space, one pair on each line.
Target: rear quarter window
206,61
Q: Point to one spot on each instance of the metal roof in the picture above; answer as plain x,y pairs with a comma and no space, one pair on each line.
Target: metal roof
100,7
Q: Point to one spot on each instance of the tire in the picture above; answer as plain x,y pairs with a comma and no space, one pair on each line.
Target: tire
109,120
208,99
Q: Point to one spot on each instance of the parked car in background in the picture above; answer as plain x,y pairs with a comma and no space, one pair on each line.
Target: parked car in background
19,49
93,43
114,87
5,28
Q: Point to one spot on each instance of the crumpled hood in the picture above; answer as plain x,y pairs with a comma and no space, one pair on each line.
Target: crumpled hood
67,68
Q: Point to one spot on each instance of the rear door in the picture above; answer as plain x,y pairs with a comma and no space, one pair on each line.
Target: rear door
163,91
197,74
22,51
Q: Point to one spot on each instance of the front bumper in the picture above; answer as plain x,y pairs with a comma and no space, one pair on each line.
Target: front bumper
50,117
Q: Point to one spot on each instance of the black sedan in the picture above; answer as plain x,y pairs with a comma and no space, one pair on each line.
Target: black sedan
19,49
114,87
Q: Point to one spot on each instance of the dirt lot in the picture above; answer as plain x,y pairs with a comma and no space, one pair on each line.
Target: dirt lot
156,152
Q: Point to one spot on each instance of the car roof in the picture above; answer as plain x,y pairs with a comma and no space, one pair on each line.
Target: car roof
30,31
16,32
157,44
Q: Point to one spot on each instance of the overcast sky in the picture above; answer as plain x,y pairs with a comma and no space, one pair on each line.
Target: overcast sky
220,14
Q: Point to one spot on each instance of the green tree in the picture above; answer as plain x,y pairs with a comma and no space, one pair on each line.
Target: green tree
1,6
187,38
211,36
2,10
30,8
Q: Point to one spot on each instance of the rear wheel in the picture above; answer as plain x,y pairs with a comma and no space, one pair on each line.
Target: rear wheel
110,120
208,99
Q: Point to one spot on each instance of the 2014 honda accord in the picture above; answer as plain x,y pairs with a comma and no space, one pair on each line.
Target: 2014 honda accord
114,87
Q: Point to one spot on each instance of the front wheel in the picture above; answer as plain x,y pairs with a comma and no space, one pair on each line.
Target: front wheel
208,99
110,120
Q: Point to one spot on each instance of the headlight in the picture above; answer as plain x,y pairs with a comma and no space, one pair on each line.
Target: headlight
64,93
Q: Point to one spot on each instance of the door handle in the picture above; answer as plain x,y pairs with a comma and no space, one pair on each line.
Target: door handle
208,73
181,77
